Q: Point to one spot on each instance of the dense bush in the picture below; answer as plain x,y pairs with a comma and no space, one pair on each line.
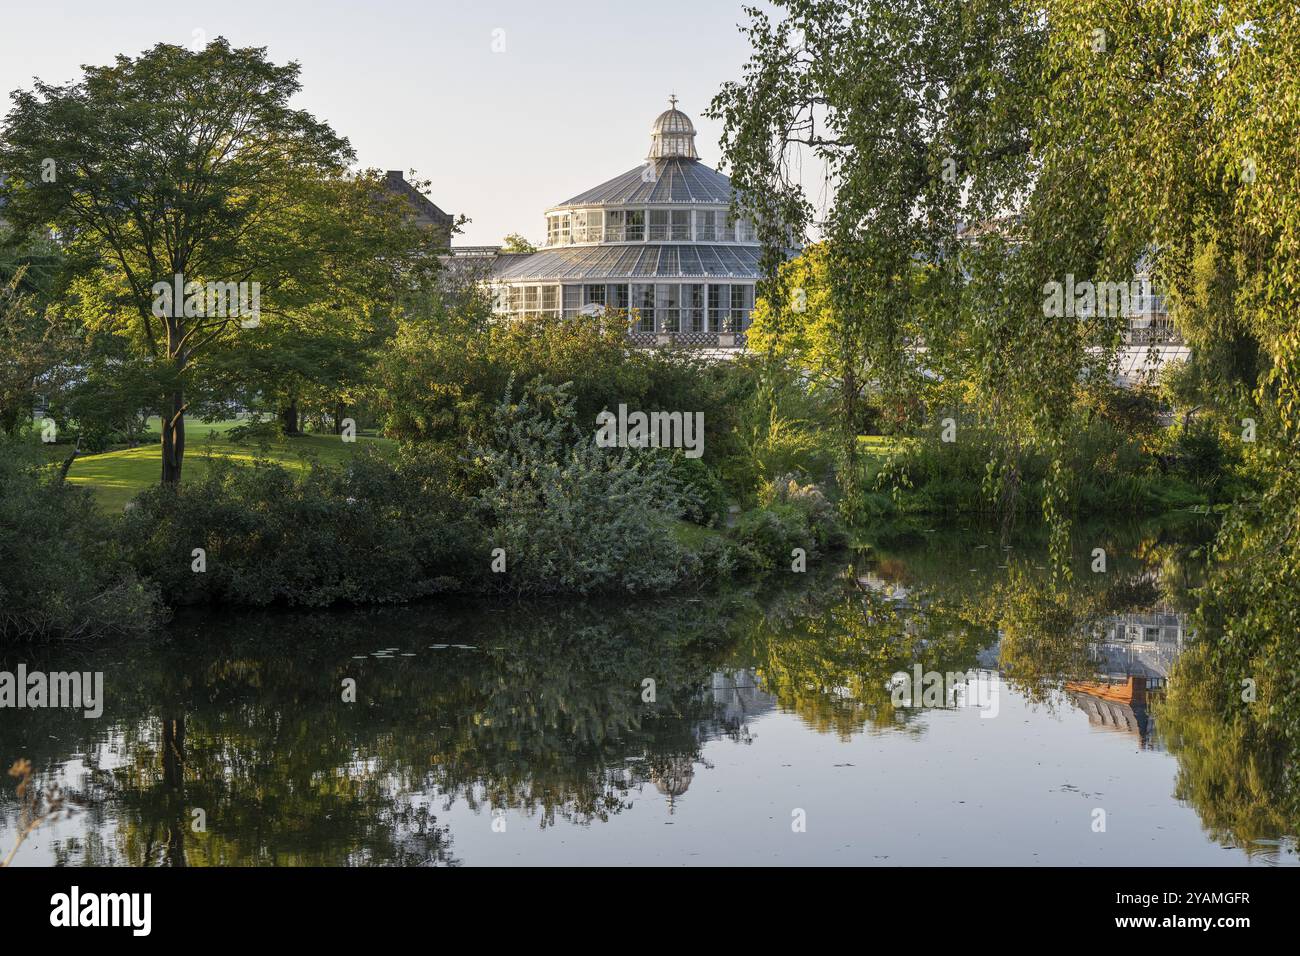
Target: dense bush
572,517
373,531
103,408
930,476
255,430
819,512
569,517
704,497
1107,471
771,533
445,374
1134,410
61,577
1199,454
792,516
778,432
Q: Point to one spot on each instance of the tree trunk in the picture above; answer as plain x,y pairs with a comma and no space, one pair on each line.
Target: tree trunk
849,425
173,742
289,418
67,462
173,439
338,419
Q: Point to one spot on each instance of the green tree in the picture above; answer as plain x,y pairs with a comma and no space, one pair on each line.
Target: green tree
193,165
34,353
920,117
36,349
517,243
1173,125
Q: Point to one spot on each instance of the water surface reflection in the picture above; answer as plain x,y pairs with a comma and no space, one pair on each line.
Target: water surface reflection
685,730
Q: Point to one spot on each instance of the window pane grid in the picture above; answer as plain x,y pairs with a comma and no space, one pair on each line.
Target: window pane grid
643,300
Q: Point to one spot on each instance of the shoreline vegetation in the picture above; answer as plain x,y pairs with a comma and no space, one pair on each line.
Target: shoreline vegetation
531,507
459,481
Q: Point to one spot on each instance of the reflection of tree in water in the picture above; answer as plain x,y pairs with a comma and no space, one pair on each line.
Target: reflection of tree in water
1051,632
1234,764
243,718
251,737
1045,632
732,699
1233,711
828,650
1231,768
672,776
1234,775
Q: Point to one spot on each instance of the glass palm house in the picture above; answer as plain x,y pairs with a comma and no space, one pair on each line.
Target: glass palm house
658,243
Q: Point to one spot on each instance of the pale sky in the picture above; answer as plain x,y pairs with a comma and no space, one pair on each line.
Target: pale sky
566,105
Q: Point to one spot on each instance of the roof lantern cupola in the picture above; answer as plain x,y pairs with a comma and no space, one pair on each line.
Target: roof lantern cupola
673,134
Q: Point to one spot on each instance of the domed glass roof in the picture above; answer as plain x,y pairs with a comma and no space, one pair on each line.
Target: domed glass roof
673,134
672,173
672,180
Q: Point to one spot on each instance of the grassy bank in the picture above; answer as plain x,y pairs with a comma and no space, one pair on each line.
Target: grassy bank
1106,472
118,476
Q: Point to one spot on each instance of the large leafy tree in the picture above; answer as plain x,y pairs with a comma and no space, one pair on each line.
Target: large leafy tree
1172,129
35,349
920,117
194,164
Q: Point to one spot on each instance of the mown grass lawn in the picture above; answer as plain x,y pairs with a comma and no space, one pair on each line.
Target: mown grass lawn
879,446
118,476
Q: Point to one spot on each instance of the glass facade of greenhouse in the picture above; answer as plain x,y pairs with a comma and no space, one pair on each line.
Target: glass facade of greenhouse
658,243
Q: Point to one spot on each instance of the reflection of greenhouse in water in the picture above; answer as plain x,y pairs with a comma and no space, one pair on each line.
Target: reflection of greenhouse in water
1145,644
1123,708
735,698
1133,658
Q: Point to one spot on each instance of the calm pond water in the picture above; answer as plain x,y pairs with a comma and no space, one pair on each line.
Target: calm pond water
777,733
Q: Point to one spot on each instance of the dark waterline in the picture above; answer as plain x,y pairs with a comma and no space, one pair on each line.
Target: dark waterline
487,734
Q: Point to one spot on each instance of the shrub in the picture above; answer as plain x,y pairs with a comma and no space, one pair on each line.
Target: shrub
570,516
776,435
442,382
819,512
373,531
704,497
1132,410
771,533
718,558
95,440
931,476
106,403
1109,470
60,575
1199,454
254,431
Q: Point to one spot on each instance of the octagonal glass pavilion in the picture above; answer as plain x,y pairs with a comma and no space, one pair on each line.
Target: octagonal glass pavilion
657,242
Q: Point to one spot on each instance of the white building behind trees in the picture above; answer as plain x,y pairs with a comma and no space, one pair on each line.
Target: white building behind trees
657,242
